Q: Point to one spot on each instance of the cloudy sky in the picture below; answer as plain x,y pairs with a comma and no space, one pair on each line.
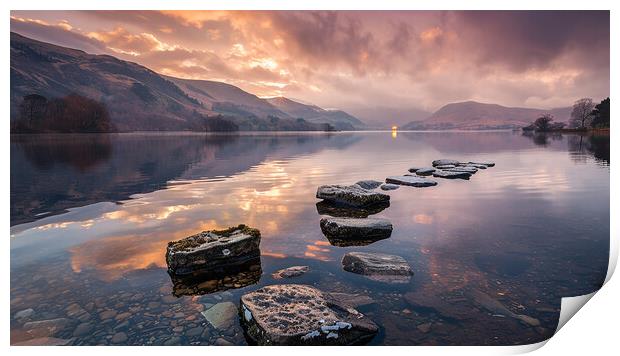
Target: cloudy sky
356,59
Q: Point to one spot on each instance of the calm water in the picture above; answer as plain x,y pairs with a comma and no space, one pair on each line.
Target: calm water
91,216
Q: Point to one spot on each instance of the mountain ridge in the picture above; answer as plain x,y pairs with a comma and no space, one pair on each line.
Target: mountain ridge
140,99
471,115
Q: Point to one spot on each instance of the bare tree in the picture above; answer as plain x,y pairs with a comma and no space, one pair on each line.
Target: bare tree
581,116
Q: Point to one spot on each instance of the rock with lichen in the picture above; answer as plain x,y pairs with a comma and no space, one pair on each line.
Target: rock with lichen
296,314
212,250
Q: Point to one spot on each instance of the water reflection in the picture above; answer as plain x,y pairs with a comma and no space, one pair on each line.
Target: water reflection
53,173
241,276
340,211
524,234
581,146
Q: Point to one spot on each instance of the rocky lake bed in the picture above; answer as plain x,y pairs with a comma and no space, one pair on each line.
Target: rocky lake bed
348,274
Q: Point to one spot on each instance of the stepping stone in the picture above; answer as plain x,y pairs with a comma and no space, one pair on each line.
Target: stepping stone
477,166
389,186
352,195
297,314
378,266
426,171
213,249
412,181
451,175
465,169
368,184
484,163
443,162
352,229
445,166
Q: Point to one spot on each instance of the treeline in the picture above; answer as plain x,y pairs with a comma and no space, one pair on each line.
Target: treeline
70,114
584,116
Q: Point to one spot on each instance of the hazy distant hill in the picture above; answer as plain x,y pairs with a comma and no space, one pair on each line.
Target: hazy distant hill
140,99
382,117
226,98
471,115
339,119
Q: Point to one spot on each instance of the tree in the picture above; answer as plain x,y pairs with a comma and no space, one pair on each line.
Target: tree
581,116
72,113
32,110
543,123
601,114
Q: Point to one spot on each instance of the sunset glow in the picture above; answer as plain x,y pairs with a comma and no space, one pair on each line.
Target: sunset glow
355,61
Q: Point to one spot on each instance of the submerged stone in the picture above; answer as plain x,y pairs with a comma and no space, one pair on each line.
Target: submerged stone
443,162
451,174
352,195
217,279
221,315
389,186
378,266
296,314
290,272
368,184
213,249
412,181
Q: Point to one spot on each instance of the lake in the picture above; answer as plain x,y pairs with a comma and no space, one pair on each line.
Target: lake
91,216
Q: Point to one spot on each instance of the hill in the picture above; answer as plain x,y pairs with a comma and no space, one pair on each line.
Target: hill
139,99
338,118
471,115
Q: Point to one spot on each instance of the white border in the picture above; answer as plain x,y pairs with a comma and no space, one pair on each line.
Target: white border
595,327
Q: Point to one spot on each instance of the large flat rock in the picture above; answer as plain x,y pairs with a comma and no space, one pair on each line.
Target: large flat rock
296,314
466,169
352,195
349,228
210,250
412,181
378,266
483,163
451,174
425,171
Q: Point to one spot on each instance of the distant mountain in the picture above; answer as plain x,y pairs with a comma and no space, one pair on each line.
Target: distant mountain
471,115
339,119
138,98
226,99
382,117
